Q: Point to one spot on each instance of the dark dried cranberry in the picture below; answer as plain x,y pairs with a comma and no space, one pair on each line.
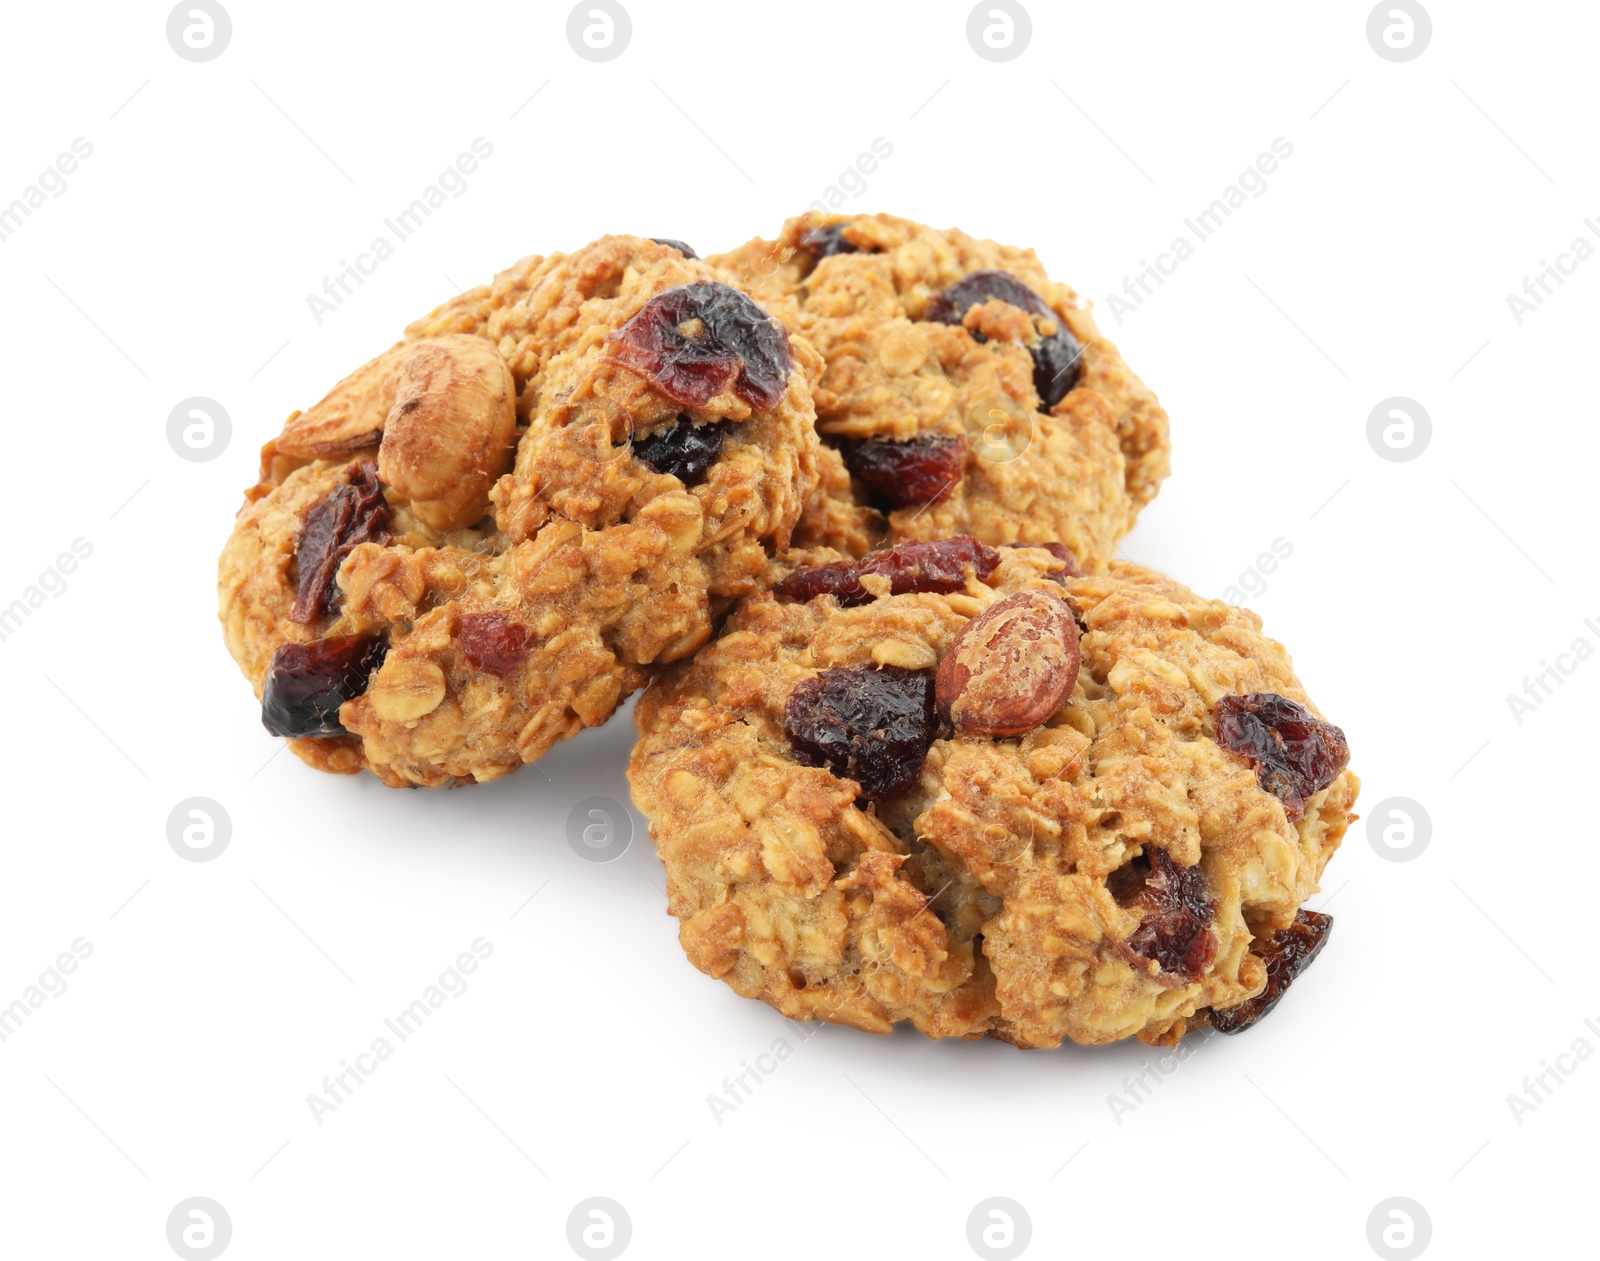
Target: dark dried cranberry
828,240
1287,954
352,513
1060,552
696,340
1295,752
918,472
939,566
1057,359
1057,365
493,643
672,244
867,723
1175,913
976,288
306,683
683,448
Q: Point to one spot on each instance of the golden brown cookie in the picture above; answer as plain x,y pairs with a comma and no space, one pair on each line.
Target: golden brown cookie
968,392
874,805
481,542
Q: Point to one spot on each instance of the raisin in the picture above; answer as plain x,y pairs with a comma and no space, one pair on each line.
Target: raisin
871,724
683,448
1057,365
1060,552
1175,913
493,643
673,244
1057,359
976,288
939,566
828,240
306,683
354,512
918,472
1287,953
696,340
1295,753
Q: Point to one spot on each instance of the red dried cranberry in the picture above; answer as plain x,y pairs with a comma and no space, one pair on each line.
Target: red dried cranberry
347,515
918,472
674,244
1060,552
1295,753
828,240
1175,913
1287,954
493,643
684,448
306,683
939,566
867,723
696,340
1057,359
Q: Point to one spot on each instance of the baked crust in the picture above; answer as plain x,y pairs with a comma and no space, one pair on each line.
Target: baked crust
611,566
1077,473
981,902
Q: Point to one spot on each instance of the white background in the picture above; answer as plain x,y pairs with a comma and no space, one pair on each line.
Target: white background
177,263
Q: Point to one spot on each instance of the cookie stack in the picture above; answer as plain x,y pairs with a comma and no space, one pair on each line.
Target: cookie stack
914,745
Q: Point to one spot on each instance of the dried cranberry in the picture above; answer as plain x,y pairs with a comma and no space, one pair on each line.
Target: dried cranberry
1295,753
306,683
867,723
939,566
683,448
1287,953
672,244
493,643
976,288
918,472
1175,913
354,512
1060,552
1057,365
1057,359
828,240
696,340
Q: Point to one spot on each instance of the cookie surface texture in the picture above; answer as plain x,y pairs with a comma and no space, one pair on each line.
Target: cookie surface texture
552,485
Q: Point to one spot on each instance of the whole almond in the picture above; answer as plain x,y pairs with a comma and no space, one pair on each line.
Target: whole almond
1010,668
450,430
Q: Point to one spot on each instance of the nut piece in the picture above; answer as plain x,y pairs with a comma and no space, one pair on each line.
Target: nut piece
448,435
1010,668
350,417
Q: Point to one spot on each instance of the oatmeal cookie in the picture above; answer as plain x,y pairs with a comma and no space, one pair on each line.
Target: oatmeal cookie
967,391
483,540
969,789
